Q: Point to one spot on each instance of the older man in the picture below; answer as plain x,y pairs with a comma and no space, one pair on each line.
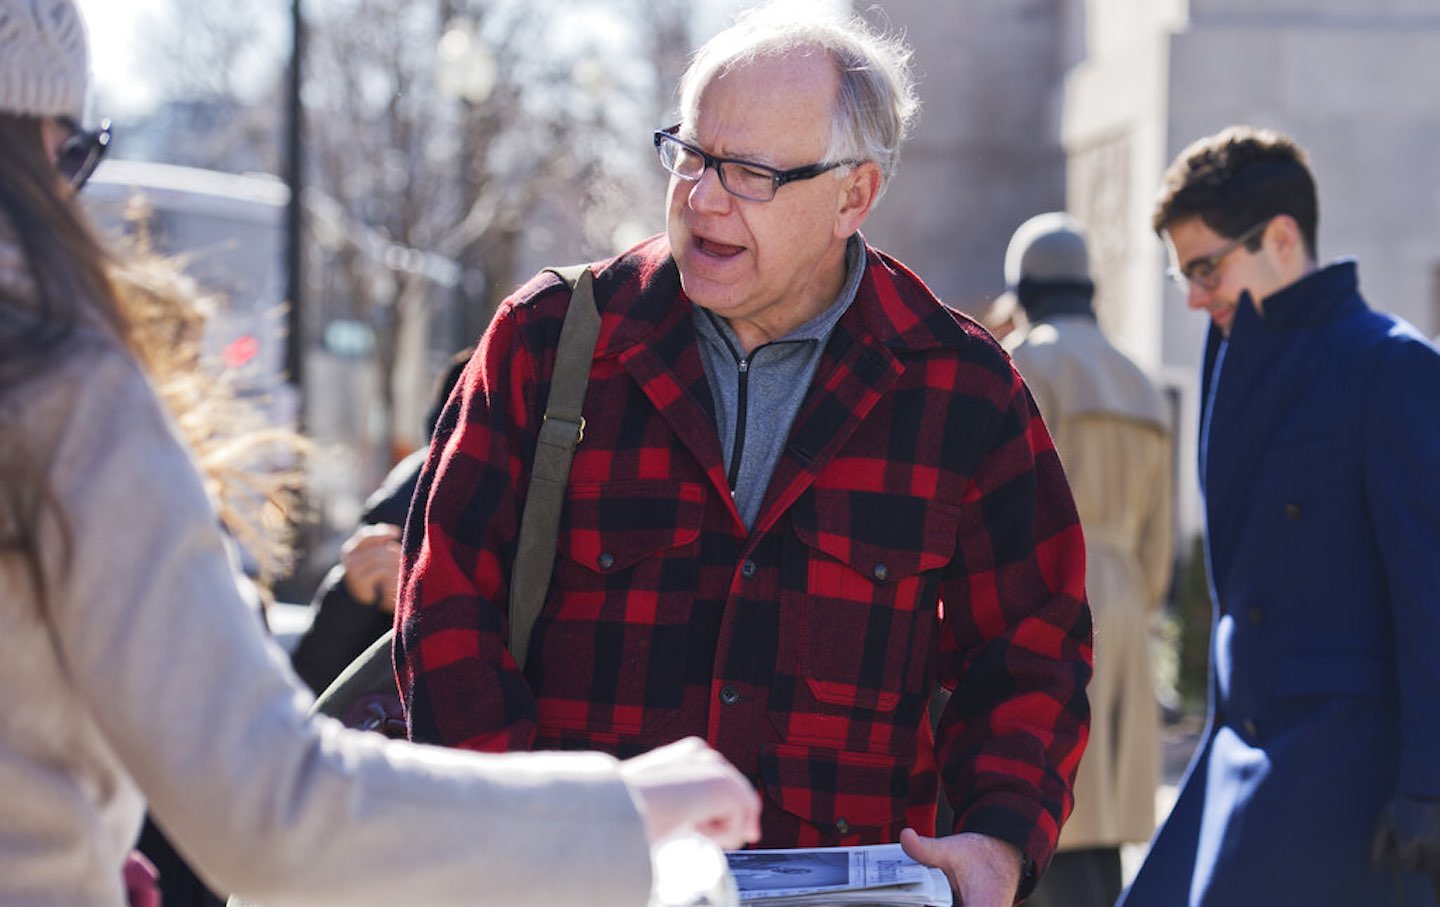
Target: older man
795,454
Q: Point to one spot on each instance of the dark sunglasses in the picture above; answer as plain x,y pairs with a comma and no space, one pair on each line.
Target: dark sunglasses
82,151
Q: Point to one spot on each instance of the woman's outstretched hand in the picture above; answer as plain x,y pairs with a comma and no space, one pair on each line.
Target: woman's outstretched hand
687,785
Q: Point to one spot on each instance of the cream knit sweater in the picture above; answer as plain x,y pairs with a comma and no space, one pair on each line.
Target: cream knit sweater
147,677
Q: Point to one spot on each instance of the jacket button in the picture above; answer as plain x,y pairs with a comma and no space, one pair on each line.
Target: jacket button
881,572
606,560
729,695
1250,728
1293,511
842,827
1256,615
748,569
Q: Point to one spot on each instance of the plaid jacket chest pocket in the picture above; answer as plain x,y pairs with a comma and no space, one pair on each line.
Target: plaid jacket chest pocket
614,629
858,635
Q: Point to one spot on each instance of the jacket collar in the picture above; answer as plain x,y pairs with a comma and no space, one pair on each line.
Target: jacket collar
639,293
1316,298
902,312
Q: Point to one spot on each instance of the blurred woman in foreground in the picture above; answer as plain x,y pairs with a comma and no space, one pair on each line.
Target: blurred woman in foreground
134,670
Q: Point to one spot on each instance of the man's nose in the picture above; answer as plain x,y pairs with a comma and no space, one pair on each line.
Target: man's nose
707,193
1196,296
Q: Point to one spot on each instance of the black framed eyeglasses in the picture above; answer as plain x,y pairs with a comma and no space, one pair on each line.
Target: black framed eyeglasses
1204,272
82,152
742,179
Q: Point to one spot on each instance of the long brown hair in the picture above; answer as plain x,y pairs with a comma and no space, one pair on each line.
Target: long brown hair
153,310
65,265
64,257
252,468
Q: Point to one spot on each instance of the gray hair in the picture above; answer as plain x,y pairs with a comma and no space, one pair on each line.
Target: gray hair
876,104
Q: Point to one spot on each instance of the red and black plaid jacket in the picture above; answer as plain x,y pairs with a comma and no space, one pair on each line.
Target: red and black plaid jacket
917,529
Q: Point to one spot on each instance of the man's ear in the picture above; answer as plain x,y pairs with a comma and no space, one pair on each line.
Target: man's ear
1283,233
858,191
1287,246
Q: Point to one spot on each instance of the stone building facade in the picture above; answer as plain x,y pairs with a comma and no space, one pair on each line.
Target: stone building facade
1030,105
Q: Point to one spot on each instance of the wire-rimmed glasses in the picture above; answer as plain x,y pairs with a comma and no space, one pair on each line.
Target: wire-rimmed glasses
1204,272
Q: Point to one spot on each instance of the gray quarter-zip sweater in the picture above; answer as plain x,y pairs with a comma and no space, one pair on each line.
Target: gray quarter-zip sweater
757,396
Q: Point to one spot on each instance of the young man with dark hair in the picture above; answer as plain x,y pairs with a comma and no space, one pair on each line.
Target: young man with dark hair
1319,442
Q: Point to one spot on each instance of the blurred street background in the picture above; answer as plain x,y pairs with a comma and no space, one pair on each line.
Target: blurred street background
365,180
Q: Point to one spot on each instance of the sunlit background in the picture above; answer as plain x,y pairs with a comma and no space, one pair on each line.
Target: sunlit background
453,147
447,150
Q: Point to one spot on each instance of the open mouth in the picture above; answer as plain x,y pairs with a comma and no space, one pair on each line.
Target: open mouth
717,249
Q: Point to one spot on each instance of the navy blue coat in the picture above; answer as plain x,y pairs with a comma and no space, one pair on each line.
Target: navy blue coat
1320,466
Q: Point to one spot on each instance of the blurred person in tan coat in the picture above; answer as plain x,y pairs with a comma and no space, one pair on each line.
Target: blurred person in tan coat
1110,427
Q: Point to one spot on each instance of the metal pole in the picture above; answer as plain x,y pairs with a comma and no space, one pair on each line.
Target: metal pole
295,217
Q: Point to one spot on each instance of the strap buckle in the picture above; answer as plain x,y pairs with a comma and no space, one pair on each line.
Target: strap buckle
579,424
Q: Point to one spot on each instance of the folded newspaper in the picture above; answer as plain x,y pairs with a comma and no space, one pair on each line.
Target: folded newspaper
879,875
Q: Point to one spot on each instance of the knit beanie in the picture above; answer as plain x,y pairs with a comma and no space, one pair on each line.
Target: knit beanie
44,59
1047,266
1048,248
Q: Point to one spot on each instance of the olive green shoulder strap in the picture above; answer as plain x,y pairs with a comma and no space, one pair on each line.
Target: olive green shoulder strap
373,671
560,433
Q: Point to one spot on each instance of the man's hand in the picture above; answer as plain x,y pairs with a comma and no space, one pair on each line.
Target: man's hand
1407,837
983,871
371,557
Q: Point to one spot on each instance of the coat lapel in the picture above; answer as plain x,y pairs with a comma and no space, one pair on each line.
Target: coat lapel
854,373
657,347
1253,385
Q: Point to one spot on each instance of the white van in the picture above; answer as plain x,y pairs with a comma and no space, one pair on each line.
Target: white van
231,230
